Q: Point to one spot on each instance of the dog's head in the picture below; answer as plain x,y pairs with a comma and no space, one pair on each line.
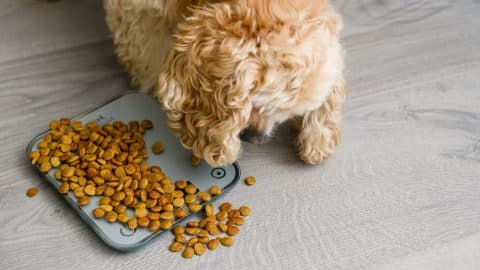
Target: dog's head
237,68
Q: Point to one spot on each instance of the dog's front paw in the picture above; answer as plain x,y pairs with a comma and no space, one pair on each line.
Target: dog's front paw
221,154
314,149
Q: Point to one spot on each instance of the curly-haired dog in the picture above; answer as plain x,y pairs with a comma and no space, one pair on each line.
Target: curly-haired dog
231,70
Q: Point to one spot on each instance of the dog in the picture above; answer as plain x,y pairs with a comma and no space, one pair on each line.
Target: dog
226,71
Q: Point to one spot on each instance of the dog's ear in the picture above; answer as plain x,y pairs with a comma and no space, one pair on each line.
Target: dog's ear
205,85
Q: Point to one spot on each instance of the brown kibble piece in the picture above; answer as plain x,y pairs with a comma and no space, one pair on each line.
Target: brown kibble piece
154,225
215,190
106,207
122,217
89,190
202,233
180,184
98,212
192,224
45,167
213,244
222,226
191,230
31,192
208,210
232,230
195,161
188,253
225,206
194,207
250,181
199,249
146,124
233,213
109,191
192,241
189,198
153,216
63,188
244,211
190,189
105,200
55,162
111,216
178,230
166,215
239,221
181,239
203,240
180,212
157,147
178,202
141,212
204,196
132,223
83,200
166,224
214,229
226,241
222,215
175,247
143,222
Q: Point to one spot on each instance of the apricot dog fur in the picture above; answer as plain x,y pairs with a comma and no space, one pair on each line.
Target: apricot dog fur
226,70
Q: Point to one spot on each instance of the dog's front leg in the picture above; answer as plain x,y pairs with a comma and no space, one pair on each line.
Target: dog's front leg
320,129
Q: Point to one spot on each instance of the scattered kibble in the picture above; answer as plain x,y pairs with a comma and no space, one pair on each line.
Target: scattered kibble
83,200
209,232
157,147
226,241
215,190
188,252
213,244
199,249
250,181
195,161
244,211
31,192
109,161
98,212
176,247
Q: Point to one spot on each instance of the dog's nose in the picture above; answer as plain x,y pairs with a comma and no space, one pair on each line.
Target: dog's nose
251,135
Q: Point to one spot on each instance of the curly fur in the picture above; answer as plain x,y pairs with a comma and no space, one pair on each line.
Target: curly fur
219,67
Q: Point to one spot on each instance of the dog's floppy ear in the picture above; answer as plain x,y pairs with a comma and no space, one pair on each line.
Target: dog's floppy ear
205,85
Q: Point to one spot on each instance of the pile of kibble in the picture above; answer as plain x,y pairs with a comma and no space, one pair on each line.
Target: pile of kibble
222,226
109,161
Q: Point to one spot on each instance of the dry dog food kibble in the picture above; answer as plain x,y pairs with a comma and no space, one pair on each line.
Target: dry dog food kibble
210,231
157,147
176,247
195,161
31,192
109,161
226,241
244,211
213,244
98,212
215,190
188,253
250,181
199,249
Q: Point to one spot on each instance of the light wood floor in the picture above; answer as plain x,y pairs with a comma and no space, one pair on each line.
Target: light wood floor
403,191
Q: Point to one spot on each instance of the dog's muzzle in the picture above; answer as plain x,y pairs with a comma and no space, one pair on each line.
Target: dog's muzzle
253,136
